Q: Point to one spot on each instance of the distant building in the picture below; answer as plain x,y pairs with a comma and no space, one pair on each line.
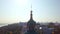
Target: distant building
47,30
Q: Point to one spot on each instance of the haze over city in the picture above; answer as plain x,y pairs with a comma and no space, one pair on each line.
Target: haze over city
29,16
13,11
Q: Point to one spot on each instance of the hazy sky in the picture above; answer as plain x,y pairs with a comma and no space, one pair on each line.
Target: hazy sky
12,11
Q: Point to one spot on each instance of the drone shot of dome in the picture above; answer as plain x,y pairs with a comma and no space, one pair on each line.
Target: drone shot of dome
29,16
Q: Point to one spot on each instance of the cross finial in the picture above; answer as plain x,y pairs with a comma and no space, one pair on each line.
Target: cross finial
31,6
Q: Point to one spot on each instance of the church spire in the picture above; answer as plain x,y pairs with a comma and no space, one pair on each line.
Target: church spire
31,15
31,18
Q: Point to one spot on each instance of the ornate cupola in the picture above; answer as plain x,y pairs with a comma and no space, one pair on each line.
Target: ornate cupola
31,23
31,18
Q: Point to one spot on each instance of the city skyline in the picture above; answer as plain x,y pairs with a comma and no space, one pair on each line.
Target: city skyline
13,11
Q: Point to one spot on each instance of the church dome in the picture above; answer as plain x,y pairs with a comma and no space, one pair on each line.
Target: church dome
31,21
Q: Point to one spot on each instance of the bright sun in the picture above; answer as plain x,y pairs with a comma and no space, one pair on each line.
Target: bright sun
22,2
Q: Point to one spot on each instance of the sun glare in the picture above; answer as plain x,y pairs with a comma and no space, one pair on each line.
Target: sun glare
22,2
